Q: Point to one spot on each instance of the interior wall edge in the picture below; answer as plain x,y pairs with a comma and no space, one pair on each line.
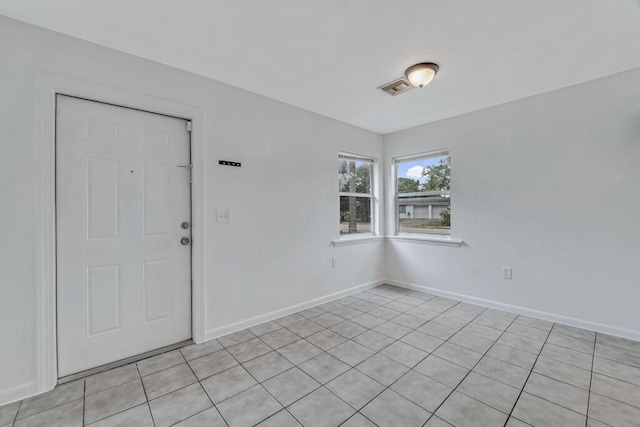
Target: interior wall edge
543,315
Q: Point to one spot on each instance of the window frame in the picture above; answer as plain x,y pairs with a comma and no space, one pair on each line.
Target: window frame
373,200
397,196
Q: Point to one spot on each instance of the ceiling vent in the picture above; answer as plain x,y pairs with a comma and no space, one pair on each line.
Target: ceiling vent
397,87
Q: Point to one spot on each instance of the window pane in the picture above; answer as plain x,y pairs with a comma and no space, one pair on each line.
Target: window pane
430,174
430,214
355,215
354,176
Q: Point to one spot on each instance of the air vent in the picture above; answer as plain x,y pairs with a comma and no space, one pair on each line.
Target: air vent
396,87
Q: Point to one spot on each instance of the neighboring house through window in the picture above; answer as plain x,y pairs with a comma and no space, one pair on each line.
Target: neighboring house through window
355,181
423,193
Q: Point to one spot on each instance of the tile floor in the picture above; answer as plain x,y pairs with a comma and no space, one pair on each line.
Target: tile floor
386,356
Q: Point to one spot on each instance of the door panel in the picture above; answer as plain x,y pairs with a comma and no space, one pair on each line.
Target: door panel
156,289
124,278
102,198
102,299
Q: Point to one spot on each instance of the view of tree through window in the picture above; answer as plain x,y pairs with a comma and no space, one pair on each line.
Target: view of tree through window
423,196
356,195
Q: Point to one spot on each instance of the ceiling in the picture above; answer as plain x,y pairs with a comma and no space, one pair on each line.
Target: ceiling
328,56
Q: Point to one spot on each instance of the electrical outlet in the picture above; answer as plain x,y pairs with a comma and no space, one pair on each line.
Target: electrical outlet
507,273
223,215
334,262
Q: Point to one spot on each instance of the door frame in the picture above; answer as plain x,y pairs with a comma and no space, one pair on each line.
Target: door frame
48,86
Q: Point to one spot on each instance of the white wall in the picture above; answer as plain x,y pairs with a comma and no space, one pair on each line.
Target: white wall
256,264
529,180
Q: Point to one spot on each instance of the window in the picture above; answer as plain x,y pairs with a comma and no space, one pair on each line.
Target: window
355,186
423,193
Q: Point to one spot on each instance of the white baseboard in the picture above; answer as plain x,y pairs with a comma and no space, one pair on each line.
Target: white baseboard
13,394
248,323
543,315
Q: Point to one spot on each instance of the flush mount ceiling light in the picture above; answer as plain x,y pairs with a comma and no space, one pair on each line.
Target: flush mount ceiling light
420,75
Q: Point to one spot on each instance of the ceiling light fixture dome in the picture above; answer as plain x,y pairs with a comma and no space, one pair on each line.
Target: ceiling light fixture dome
420,75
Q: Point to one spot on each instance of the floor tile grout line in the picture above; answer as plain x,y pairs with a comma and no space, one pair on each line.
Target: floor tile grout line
616,379
531,326
353,415
367,418
198,413
510,364
178,389
320,385
471,370
273,415
410,368
569,348
350,339
206,354
555,403
564,361
117,385
146,397
84,398
353,367
210,399
617,361
286,408
221,372
602,395
565,334
486,376
205,393
161,370
529,376
571,336
265,389
635,353
611,398
118,413
560,381
379,351
15,417
185,362
572,349
206,409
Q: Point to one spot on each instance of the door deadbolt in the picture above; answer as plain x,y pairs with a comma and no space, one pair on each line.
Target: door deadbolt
184,225
185,240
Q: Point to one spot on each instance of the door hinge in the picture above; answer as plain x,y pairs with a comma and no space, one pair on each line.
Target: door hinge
190,167
189,126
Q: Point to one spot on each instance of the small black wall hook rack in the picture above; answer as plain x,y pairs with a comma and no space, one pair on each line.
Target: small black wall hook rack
228,163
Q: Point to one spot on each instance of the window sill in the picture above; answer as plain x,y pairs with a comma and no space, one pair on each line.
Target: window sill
356,240
429,240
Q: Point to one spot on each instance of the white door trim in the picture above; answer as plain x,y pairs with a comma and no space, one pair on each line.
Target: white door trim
48,86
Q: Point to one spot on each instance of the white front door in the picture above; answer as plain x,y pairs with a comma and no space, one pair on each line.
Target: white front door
123,273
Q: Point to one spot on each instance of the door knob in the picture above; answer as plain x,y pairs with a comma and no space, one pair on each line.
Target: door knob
184,225
185,241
